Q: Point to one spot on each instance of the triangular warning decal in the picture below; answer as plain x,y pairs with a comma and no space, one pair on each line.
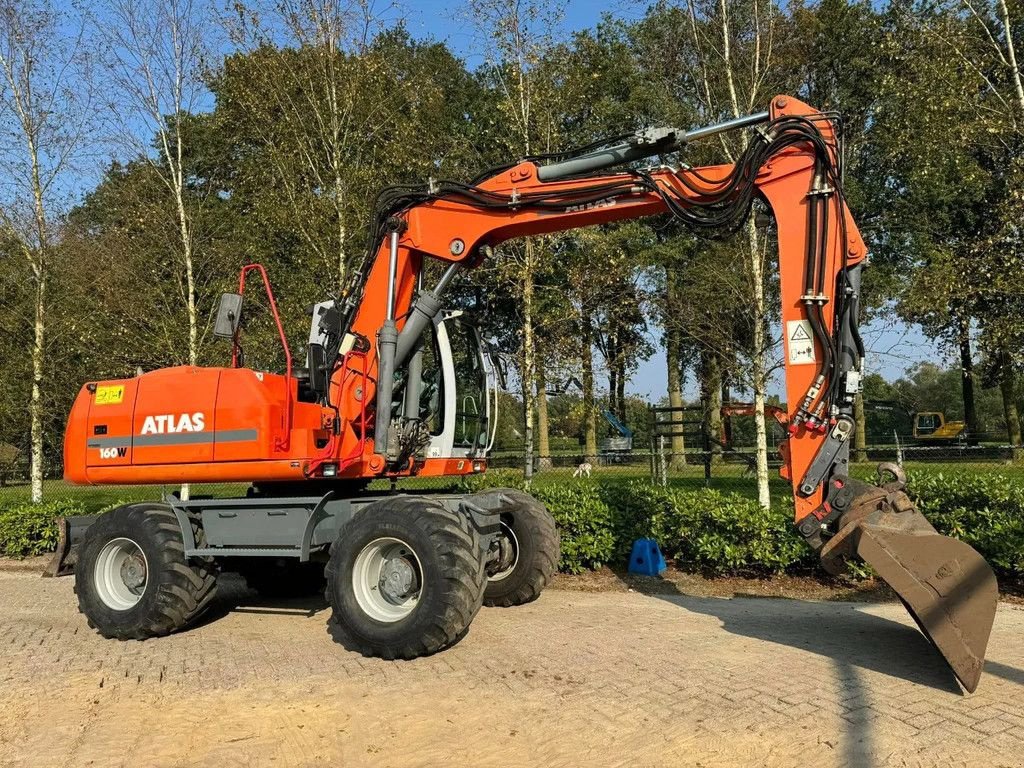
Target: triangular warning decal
799,334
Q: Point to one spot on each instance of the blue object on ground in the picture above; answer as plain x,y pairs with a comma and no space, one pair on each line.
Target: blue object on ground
646,558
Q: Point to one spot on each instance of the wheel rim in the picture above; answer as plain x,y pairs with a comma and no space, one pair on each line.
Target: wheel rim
387,579
121,574
510,540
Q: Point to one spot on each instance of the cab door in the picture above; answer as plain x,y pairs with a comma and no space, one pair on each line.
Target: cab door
465,385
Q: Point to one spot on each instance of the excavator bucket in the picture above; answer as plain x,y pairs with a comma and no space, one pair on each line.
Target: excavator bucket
946,586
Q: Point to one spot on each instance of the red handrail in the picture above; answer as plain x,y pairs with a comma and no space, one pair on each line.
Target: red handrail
281,443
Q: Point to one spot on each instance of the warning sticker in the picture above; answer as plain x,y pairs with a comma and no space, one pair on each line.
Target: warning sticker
799,342
110,394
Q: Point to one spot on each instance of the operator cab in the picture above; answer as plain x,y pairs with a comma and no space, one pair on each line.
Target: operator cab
458,392
459,389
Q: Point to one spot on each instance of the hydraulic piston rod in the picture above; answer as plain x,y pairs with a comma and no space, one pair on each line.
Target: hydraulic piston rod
654,141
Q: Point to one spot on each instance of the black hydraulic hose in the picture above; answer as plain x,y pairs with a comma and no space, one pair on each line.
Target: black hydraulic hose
811,250
721,208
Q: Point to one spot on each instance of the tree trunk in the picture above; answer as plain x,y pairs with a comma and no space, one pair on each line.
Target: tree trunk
1008,387
758,377
589,411
967,378
529,358
860,440
543,437
675,381
620,390
39,262
36,403
711,389
613,375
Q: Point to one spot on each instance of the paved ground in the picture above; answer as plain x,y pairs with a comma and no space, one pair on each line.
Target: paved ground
616,679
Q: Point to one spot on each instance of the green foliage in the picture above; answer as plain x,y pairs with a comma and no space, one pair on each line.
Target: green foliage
494,478
707,529
986,511
585,522
29,529
722,533
704,529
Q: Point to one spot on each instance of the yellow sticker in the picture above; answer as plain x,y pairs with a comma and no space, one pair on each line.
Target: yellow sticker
110,394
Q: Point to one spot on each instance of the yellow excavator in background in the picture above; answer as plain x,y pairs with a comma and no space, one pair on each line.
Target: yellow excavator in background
926,427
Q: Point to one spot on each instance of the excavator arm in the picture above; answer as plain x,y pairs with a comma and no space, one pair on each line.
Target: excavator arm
792,161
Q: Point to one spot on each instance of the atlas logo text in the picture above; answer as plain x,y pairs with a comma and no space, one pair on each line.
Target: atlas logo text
170,423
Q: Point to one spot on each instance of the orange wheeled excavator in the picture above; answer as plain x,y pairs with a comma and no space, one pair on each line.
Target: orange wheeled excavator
395,386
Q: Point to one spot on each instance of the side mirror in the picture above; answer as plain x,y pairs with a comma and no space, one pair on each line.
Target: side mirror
501,365
229,315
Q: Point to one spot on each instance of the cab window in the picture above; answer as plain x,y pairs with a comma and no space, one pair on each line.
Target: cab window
470,386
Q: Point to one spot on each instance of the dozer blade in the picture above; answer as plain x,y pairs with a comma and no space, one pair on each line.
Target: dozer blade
946,586
70,531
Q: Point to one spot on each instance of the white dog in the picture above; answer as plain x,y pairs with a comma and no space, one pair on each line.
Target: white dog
583,469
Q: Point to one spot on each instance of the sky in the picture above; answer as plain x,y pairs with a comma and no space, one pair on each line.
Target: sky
892,346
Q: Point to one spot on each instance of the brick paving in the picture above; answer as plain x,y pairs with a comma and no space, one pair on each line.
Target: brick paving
616,679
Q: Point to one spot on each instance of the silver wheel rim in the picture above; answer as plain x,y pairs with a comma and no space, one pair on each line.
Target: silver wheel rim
387,579
508,533
121,574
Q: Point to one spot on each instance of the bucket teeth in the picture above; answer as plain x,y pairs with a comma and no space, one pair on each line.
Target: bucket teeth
947,587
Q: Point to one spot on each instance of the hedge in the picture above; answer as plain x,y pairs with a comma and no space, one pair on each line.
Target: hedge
704,530
707,530
986,511
721,533
28,529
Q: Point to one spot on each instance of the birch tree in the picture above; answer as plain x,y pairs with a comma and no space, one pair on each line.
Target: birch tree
44,108
733,68
304,104
156,52
519,35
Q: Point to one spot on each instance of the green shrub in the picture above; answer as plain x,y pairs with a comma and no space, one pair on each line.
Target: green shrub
726,532
584,522
985,511
29,529
640,510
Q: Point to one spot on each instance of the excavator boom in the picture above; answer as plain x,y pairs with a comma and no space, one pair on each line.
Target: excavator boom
792,163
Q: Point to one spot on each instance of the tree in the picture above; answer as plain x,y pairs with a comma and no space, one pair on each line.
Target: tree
723,56
949,131
44,118
520,34
156,53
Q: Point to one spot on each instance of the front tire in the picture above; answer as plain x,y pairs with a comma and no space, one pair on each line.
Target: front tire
405,578
132,578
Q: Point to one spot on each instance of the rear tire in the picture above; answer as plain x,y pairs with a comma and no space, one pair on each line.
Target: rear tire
132,578
405,578
530,531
